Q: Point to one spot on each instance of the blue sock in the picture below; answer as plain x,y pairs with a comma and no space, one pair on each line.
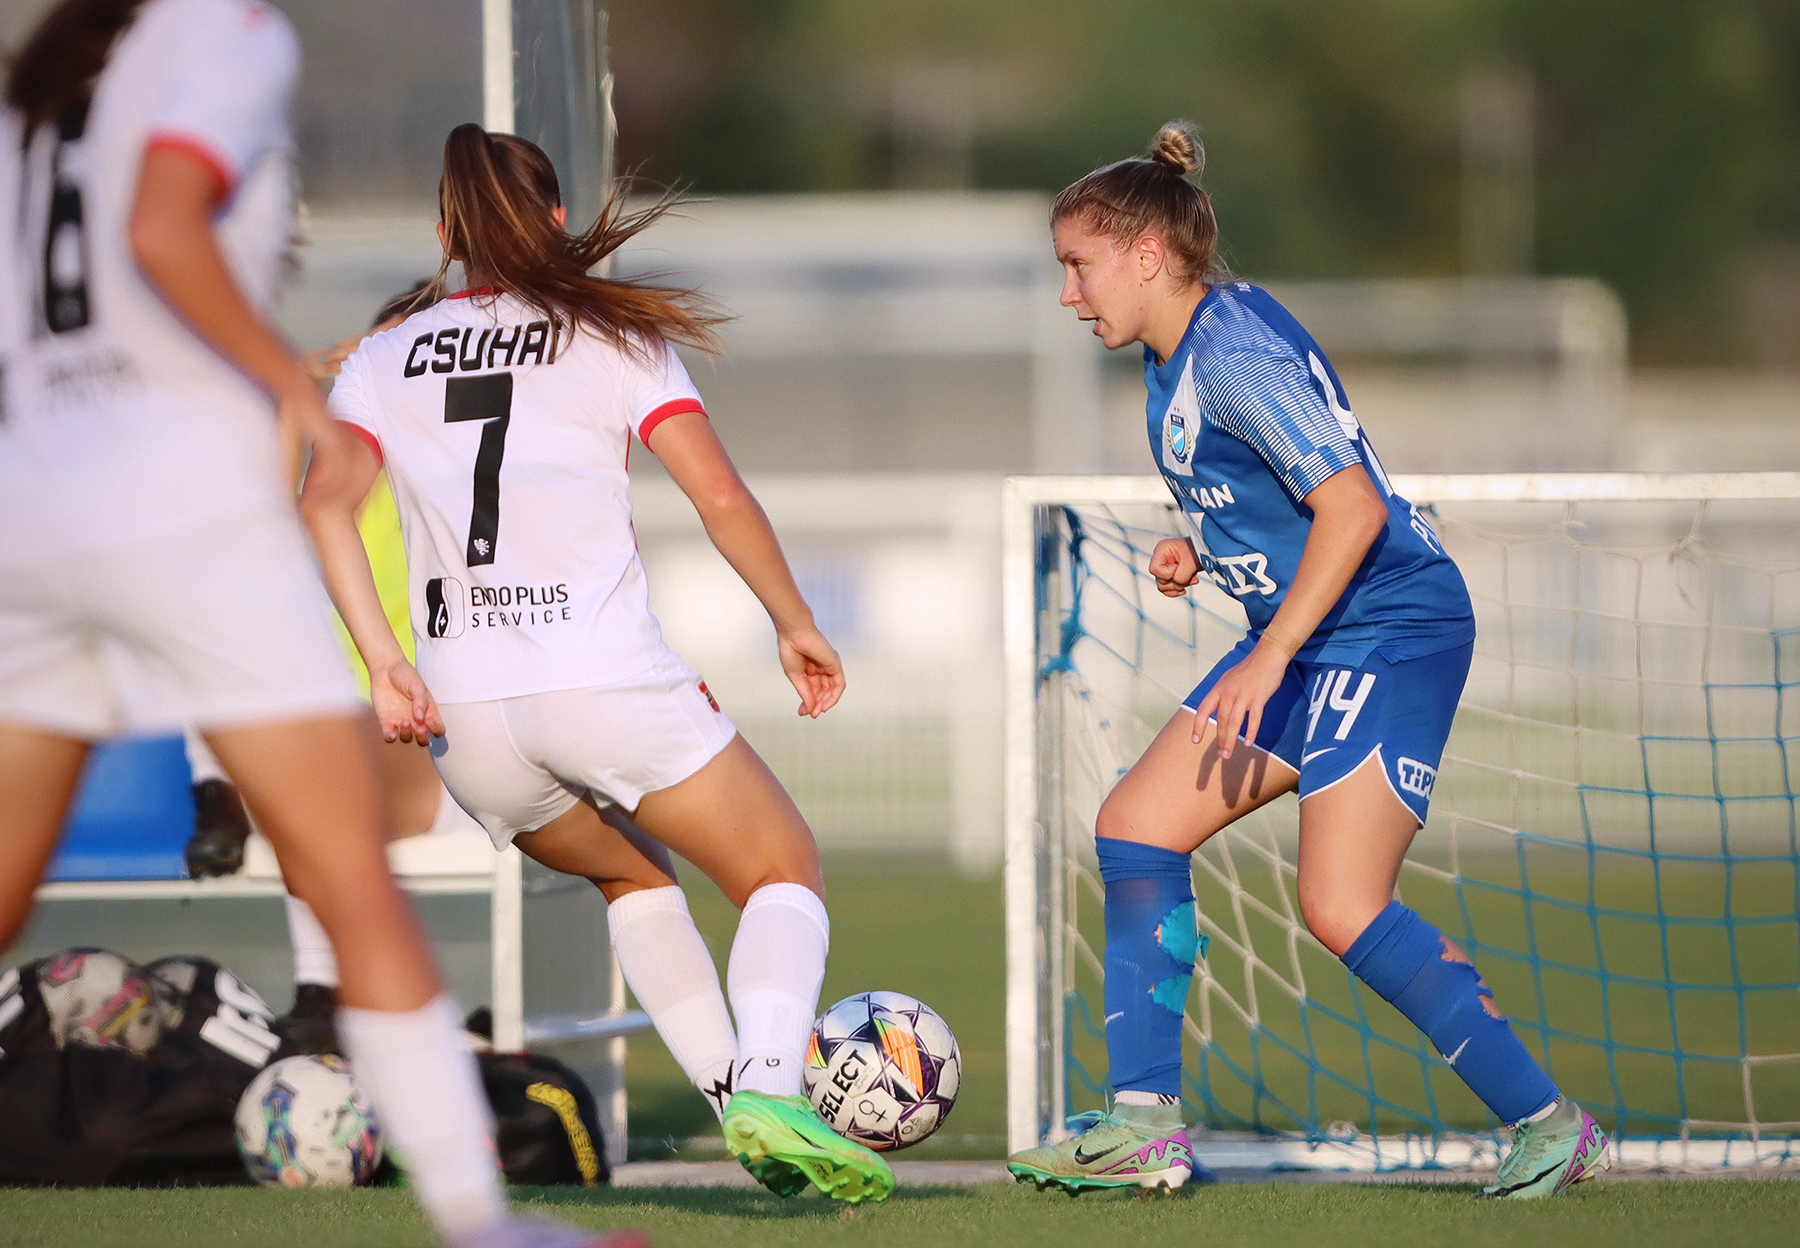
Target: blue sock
1401,957
1151,943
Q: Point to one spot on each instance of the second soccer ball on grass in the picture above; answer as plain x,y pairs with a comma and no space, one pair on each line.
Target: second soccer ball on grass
882,1069
304,1122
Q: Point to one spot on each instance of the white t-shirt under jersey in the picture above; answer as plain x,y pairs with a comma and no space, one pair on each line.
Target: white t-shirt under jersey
506,444
120,425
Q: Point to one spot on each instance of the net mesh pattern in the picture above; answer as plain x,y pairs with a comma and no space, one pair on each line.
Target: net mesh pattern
1612,836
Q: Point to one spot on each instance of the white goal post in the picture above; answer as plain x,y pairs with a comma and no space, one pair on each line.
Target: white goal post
1044,947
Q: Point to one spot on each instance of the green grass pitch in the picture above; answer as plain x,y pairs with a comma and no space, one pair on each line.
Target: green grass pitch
916,927
1718,1213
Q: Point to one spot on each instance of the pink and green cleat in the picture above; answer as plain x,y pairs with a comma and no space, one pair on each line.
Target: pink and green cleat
1129,1146
1551,1155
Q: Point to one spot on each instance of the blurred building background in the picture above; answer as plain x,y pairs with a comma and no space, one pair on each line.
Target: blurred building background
1534,235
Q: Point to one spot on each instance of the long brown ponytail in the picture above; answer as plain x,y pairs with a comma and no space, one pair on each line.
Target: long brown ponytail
60,63
1153,192
497,196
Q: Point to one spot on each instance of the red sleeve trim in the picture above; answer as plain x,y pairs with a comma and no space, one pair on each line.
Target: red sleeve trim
674,407
373,442
224,177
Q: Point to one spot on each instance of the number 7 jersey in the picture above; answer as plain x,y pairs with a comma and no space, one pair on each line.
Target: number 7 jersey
506,442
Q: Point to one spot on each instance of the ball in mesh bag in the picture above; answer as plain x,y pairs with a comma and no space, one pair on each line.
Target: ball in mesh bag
101,1000
882,1069
303,1122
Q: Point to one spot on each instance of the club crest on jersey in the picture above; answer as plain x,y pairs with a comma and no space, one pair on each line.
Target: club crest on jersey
443,607
1180,441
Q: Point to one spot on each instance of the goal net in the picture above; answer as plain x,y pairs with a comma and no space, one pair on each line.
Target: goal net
1612,834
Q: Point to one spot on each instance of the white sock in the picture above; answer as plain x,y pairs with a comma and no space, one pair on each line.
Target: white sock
673,977
421,1078
314,960
777,967
200,759
1129,1097
1546,1111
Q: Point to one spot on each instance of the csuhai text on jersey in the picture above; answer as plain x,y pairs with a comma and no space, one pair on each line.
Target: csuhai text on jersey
448,350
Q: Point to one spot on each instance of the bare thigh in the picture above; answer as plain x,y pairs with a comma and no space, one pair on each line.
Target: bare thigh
1179,793
311,786
734,821
1353,838
602,845
38,774
410,782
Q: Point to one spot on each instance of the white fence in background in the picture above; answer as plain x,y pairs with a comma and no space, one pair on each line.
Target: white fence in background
903,577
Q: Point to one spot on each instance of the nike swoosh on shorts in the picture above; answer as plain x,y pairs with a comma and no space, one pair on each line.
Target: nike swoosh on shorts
1307,758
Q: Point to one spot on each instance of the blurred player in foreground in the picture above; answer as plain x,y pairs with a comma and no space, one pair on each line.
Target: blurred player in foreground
416,796
418,803
152,569
1361,634
564,723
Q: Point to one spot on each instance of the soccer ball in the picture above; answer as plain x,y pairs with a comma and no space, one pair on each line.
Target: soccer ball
98,999
882,1069
303,1122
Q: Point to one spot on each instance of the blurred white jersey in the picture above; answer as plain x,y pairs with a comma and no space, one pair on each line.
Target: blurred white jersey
120,425
506,444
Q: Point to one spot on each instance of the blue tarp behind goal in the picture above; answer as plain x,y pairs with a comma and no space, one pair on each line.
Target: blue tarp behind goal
133,814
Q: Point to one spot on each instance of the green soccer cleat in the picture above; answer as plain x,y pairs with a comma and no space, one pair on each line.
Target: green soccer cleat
1550,1155
778,1176
1130,1146
780,1140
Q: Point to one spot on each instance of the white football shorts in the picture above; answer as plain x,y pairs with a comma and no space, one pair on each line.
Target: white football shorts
218,626
517,763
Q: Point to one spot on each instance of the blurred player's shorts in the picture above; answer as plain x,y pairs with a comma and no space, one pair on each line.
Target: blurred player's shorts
219,626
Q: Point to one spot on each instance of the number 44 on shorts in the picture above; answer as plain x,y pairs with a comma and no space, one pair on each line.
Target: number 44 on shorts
1329,690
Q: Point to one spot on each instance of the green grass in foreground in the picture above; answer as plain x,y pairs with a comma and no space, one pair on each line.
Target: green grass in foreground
1721,1214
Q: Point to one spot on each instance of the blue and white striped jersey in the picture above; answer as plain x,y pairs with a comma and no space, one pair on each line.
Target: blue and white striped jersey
1246,418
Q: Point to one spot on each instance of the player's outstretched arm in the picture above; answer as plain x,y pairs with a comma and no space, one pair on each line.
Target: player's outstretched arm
402,703
172,240
735,522
1348,515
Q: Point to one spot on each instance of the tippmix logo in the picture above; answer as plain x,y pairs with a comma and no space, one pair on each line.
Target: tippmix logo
1416,777
443,607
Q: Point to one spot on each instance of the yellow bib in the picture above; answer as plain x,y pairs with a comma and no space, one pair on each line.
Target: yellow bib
379,524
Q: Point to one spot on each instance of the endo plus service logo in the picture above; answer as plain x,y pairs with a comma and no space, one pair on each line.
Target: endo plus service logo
443,607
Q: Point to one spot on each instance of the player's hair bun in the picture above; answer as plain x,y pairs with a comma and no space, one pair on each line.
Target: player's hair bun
1157,193
1177,146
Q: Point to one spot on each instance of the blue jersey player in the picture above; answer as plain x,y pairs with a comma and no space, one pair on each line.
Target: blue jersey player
1343,688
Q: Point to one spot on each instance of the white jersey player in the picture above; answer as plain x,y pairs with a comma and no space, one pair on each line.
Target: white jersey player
152,569
504,415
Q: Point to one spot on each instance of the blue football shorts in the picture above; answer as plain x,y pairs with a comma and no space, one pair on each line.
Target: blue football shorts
1326,719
